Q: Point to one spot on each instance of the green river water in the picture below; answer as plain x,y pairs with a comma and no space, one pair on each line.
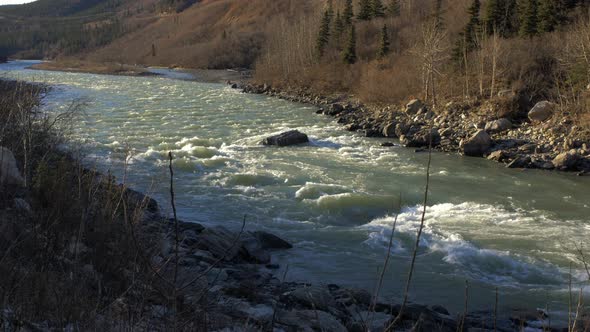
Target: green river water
334,198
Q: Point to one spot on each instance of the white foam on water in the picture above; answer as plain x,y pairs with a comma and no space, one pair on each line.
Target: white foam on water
442,234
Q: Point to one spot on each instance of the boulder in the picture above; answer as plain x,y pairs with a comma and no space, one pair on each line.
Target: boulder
314,297
9,173
334,110
477,145
414,106
542,111
271,241
291,137
389,130
566,161
520,162
310,320
220,242
498,126
421,138
499,156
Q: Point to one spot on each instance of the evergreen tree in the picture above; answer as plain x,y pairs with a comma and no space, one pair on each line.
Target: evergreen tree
494,15
349,54
377,8
548,17
473,26
365,10
330,9
324,34
394,8
348,13
385,43
528,18
338,29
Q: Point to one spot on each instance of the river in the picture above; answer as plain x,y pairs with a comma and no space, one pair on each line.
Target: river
334,198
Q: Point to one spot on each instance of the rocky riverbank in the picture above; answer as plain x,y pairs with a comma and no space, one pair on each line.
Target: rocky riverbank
542,139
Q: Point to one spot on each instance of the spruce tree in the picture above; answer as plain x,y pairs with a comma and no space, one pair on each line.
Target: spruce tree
548,17
349,54
377,8
324,34
473,26
348,13
528,18
330,9
385,43
338,25
494,15
394,8
438,14
365,10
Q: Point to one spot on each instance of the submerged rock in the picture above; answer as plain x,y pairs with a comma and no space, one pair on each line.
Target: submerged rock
291,137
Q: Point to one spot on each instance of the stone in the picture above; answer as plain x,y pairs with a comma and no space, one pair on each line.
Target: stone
9,173
499,156
334,110
220,242
498,126
291,137
542,111
421,139
310,320
254,250
414,106
401,129
271,241
389,130
566,161
314,297
520,162
477,145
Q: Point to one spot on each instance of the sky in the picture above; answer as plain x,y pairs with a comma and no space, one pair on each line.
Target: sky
13,2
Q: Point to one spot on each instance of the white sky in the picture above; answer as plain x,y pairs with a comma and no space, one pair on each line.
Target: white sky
13,2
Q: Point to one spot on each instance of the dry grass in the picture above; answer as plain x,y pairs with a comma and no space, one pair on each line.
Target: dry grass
80,66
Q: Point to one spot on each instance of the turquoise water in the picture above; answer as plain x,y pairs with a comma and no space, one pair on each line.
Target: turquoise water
335,197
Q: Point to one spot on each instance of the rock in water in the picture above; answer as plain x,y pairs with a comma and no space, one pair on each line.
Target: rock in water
291,137
477,145
498,126
9,173
389,130
542,111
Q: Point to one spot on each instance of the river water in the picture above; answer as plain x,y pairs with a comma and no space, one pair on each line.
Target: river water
334,198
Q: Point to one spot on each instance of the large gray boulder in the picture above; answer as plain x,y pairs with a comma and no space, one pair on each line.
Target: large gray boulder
542,111
498,126
477,145
414,106
9,173
291,137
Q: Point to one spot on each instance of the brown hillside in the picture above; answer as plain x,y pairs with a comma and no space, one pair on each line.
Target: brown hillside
211,34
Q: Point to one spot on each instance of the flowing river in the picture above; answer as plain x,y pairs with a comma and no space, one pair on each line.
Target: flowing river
334,198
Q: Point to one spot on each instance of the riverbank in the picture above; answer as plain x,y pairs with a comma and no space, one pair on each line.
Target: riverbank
110,254
542,138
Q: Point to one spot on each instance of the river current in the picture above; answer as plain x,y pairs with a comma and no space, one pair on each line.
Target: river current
334,198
